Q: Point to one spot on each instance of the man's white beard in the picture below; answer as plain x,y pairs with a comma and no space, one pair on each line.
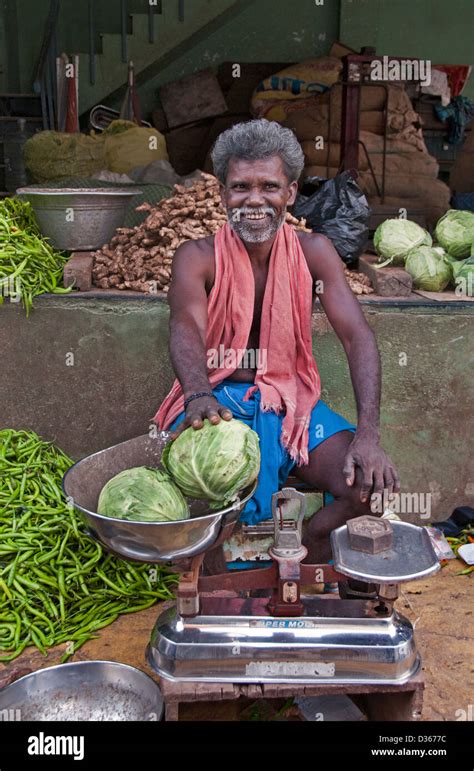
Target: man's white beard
247,233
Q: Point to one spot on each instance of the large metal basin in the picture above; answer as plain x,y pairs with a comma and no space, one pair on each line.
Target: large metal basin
83,690
144,541
79,219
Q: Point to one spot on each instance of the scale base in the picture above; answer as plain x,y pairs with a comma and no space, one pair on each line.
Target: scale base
236,640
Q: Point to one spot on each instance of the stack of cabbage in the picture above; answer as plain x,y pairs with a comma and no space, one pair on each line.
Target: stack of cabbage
402,242
429,268
213,463
394,238
455,233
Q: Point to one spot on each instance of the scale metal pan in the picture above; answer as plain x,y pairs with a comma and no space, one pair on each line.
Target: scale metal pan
410,557
144,541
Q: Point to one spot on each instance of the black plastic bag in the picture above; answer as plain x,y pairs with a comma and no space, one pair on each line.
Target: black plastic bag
339,210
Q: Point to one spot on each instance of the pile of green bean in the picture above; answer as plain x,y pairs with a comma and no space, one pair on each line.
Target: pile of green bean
29,265
57,585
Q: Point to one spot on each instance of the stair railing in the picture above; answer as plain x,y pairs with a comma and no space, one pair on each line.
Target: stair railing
91,22
45,82
124,25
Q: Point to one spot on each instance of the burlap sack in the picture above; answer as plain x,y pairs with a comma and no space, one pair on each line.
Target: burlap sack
413,164
51,155
433,192
312,120
294,83
409,164
320,171
374,144
412,206
319,157
371,98
396,203
397,122
330,154
138,146
373,121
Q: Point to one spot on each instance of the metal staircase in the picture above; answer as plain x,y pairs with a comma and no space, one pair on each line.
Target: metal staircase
152,40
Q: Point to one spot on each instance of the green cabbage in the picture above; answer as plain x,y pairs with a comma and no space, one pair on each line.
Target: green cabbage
142,495
455,232
215,462
463,272
429,269
394,238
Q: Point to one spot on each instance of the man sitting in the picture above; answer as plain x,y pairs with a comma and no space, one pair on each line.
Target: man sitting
250,289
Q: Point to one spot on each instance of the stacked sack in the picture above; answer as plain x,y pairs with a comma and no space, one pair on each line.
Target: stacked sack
276,96
52,155
410,178
313,110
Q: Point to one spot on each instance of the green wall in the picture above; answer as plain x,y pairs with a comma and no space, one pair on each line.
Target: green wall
268,30
440,31
26,35
3,48
9,58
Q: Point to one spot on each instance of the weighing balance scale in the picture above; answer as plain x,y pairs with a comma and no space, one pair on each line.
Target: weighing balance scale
264,625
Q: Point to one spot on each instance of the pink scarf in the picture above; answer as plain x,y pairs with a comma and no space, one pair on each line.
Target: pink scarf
290,382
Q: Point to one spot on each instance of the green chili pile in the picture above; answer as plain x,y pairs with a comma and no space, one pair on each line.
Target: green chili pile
29,266
57,585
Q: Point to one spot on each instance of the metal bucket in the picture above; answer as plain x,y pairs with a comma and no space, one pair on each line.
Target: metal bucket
79,219
83,690
145,541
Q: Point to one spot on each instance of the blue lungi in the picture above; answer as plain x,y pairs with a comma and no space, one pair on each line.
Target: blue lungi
276,463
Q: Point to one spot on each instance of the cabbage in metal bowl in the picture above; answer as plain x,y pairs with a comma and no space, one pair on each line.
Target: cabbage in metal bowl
142,494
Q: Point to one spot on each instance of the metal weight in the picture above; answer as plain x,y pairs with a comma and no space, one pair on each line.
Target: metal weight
370,534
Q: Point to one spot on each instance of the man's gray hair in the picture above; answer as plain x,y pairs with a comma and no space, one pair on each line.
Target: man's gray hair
256,140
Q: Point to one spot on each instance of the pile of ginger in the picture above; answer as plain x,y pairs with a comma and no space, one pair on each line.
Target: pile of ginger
140,258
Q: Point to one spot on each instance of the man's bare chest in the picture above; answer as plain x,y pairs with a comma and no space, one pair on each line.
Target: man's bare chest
260,275
260,278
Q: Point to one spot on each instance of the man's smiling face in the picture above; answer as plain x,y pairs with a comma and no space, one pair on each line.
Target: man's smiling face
256,195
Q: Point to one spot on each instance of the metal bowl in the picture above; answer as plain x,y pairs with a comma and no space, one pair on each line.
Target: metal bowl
144,541
79,219
83,690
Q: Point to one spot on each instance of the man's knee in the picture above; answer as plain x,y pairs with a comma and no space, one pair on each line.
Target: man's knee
350,496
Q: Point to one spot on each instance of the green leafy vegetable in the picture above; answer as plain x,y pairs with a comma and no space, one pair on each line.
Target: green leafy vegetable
463,272
214,463
455,232
143,495
429,269
394,238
